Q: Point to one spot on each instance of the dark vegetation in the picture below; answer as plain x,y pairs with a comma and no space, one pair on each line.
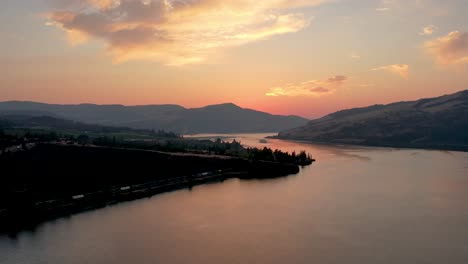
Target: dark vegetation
21,130
52,167
218,147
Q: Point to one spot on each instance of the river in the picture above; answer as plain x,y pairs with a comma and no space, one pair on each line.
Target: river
355,205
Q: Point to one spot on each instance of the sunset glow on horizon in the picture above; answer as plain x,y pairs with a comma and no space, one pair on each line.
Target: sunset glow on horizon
296,57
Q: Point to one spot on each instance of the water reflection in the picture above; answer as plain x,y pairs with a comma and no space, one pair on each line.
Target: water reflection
323,150
355,205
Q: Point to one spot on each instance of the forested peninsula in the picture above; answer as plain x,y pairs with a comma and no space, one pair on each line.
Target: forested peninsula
49,172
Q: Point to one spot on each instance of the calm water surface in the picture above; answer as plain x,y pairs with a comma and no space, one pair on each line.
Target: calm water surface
354,205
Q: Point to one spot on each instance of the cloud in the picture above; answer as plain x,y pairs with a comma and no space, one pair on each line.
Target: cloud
429,30
354,56
103,4
313,88
382,9
400,69
176,31
338,79
450,49
385,5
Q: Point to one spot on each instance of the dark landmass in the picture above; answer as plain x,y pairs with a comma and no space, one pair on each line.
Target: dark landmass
59,125
52,167
432,123
22,129
223,118
51,180
19,131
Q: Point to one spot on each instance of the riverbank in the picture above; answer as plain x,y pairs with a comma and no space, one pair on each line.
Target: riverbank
443,147
53,180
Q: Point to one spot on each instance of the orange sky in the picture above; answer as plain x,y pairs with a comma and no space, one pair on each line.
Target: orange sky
305,57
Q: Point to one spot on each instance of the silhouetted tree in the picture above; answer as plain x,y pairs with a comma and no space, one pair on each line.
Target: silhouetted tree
83,139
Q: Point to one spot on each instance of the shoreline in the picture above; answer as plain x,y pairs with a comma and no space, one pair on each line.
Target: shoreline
44,211
457,148
108,176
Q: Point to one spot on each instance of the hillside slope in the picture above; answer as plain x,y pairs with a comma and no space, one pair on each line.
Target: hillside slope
440,122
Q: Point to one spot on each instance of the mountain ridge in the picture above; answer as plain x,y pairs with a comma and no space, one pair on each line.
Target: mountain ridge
218,118
438,122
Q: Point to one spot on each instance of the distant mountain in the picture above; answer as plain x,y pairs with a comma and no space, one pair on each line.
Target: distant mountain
223,118
47,122
440,122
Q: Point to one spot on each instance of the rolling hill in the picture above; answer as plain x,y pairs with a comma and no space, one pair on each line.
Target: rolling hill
440,122
222,118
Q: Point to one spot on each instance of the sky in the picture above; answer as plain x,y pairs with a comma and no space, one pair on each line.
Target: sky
301,57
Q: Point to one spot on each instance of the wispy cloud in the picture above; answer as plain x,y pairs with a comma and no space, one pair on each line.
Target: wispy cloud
450,49
354,56
103,4
337,80
176,31
313,88
429,30
382,9
400,69
366,85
